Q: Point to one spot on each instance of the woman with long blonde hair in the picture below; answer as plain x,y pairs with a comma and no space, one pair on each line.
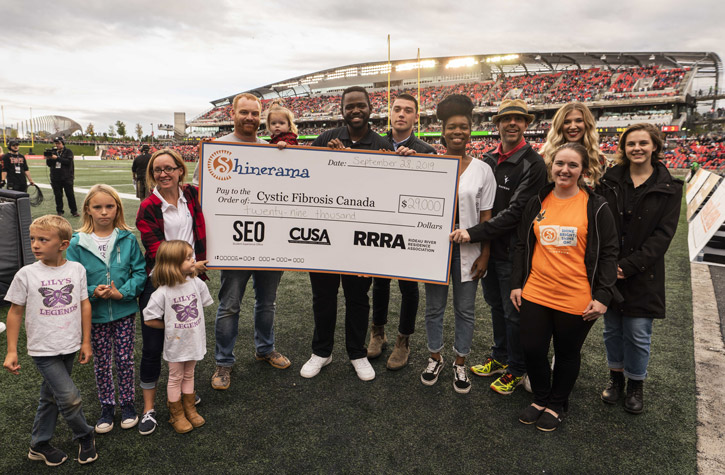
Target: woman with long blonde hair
574,122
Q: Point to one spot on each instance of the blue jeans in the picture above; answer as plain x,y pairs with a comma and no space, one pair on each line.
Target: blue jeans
58,394
233,285
464,301
627,340
506,347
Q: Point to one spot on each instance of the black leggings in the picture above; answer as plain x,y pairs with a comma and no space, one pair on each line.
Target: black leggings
153,343
538,325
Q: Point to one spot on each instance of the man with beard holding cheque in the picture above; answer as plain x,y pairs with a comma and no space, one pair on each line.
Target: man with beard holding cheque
246,112
355,134
404,113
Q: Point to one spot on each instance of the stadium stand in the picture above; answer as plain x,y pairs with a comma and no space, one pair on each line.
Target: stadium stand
619,87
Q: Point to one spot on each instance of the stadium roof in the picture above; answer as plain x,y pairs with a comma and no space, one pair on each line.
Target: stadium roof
478,67
54,125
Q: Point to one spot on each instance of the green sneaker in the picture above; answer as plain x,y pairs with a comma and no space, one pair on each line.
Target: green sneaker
506,383
488,368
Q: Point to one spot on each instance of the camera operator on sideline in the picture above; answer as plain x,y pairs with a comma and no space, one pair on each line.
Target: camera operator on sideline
62,171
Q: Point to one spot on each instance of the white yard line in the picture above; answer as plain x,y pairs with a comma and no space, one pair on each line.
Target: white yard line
77,189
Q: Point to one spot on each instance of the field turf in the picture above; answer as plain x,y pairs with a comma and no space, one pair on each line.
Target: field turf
273,421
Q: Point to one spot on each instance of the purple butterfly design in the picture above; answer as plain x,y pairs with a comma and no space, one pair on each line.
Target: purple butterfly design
54,298
185,312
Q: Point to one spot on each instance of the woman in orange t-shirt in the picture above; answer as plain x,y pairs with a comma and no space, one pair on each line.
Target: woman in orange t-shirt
563,279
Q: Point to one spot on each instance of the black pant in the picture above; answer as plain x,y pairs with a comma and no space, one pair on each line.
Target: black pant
18,187
153,343
408,303
58,188
538,325
324,308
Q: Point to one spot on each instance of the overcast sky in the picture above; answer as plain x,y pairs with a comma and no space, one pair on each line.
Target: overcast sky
141,61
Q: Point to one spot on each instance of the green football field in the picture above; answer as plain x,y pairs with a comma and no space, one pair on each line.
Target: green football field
273,421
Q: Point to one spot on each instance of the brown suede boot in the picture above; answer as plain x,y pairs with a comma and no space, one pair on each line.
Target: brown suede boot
192,416
378,341
399,357
178,420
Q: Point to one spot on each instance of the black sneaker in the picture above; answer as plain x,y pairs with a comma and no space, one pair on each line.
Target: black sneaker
48,454
87,449
431,372
460,379
530,415
548,422
148,423
105,422
129,418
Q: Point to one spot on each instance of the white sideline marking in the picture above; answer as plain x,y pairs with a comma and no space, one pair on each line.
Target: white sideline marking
77,189
709,370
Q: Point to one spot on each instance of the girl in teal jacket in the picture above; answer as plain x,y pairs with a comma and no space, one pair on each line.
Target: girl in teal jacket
115,271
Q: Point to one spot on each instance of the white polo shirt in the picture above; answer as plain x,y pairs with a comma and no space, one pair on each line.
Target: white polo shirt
178,223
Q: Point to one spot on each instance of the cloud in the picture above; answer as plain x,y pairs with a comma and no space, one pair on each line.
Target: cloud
140,61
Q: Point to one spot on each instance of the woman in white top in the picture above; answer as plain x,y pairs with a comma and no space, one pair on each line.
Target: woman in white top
476,192
171,212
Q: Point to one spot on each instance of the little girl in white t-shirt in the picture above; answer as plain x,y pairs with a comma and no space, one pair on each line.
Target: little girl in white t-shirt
177,307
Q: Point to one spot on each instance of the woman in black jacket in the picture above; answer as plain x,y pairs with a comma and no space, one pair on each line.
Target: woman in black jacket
563,279
646,203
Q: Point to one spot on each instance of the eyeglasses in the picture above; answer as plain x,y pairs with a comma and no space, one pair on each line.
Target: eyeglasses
167,170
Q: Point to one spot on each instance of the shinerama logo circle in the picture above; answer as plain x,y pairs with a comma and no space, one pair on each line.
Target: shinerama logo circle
220,165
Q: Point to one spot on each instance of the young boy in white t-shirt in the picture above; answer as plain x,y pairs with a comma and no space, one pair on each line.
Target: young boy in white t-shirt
53,294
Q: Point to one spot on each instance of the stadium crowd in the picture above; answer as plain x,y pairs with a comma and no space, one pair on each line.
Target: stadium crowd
582,85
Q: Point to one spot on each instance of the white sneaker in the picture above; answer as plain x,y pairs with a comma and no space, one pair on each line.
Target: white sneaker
527,383
2,327
314,365
364,369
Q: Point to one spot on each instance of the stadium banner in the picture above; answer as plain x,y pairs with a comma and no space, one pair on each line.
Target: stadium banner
695,183
702,194
322,210
703,241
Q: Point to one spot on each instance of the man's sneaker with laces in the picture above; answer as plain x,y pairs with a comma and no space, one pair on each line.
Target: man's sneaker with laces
87,449
460,379
506,383
105,422
274,358
48,454
129,418
363,368
221,379
489,368
314,365
431,372
148,423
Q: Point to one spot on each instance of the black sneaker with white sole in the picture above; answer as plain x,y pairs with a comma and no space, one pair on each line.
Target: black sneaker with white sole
148,422
431,372
460,379
48,454
87,449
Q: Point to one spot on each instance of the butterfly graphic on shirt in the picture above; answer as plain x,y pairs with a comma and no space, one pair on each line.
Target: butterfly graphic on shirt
55,298
185,312
541,216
